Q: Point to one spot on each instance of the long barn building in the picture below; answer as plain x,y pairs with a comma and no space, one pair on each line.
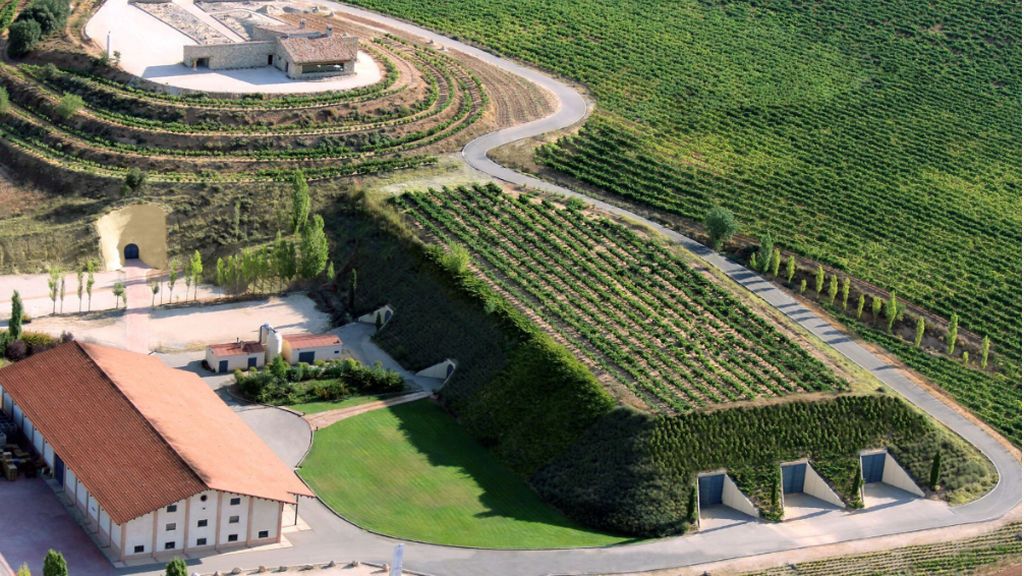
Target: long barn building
153,459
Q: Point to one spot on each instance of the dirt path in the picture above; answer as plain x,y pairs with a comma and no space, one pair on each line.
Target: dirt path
323,419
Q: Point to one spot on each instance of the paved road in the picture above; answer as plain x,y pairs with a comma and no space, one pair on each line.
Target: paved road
333,539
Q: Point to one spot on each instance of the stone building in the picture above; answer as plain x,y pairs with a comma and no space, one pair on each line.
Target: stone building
299,52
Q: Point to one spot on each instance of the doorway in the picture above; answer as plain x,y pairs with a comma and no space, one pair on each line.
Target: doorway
131,252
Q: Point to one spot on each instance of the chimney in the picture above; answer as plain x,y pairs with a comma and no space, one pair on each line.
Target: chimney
302,24
330,30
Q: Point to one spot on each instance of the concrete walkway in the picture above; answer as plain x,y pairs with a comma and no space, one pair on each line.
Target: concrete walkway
320,420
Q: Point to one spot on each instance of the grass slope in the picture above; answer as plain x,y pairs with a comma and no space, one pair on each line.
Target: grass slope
878,136
411,471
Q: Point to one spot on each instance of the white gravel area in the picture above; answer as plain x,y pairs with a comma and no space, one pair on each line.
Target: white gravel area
153,50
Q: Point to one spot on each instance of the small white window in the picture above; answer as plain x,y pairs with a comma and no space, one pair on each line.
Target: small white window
232,519
171,527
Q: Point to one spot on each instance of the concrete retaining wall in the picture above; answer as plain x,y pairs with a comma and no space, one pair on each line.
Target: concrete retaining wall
439,370
815,485
894,475
735,499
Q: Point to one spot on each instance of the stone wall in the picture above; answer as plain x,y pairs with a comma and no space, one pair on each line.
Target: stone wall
227,56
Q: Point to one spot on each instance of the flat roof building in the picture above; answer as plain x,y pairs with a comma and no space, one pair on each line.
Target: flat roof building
151,456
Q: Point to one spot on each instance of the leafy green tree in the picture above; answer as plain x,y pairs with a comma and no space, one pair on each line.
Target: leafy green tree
69,105
934,478
986,344
54,564
300,201
776,261
966,358
753,262
775,492
845,291
22,37
860,306
81,274
284,254
90,269
790,269
119,293
892,309
819,279
279,368
330,271
220,275
23,569
455,259
196,264
134,180
313,249
176,567
833,289
919,332
721,225
951,333
53,282
855,488
876,306
803,285
17,314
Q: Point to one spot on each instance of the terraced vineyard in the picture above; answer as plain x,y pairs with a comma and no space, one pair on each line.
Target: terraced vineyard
640,316
879,137
961,557
424,100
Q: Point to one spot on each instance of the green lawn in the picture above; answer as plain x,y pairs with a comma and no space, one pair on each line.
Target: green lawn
314,407
412,472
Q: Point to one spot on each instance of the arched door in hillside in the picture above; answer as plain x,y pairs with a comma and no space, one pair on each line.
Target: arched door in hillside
131,252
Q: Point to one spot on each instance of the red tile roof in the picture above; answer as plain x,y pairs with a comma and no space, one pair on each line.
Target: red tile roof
312,340
140,435
236,348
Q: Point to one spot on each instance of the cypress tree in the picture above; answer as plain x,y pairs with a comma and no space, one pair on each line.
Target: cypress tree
919,333
776,260
860,306
936,470
353,283
846,291
764,255
691,506
790,269
951,333
855,488
985,345
17,314
833,289
876,306
803,285
891,310
819,279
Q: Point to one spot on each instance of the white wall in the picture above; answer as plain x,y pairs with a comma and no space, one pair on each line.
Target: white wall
266,515
291,354
439,370
139,532
202,510
894,475
735,499
227,511
177,535
815,486
239,361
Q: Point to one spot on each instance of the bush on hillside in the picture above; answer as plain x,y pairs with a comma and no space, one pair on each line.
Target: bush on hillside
37,20
334,380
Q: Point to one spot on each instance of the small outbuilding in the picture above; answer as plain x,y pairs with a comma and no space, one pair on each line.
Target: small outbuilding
310,348
879,467
799,478
240,355
717,489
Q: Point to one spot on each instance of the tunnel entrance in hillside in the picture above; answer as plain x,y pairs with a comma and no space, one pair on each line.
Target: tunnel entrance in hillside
131,252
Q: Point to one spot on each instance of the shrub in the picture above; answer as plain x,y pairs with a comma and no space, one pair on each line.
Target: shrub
16,350
455,259
69,105
22,37
54,564
38,342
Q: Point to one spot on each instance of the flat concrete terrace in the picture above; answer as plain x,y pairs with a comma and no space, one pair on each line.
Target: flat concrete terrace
152,50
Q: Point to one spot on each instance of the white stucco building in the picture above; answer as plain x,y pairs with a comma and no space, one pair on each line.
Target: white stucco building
153,459
294,348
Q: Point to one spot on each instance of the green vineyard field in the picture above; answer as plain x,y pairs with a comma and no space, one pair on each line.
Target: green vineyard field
640,315
876,136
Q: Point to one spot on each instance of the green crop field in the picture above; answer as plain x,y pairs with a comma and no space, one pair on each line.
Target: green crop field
411,471
881,137
976,555
642,316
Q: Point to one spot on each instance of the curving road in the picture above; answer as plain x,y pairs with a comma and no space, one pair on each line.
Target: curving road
334,539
